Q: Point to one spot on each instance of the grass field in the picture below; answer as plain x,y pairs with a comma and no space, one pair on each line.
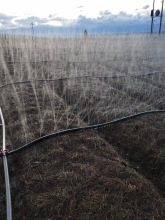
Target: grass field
116,172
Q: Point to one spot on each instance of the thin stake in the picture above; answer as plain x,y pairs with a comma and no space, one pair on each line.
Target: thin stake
7,182
3,128
8,193
161,16
152,17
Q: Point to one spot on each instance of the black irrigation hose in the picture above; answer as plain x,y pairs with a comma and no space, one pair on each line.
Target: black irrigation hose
79,77
67,61
60,133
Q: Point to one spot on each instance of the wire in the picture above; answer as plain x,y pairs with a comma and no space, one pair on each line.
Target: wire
60,133
79,77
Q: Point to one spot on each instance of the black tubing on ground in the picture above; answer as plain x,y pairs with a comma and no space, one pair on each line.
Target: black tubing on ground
62,61
79,77
60,133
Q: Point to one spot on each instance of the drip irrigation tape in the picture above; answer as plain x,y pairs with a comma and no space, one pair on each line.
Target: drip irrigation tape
79,77
64,132
73,62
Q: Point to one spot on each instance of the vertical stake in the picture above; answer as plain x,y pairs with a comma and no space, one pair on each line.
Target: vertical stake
152,20
161,17
3,128
7,182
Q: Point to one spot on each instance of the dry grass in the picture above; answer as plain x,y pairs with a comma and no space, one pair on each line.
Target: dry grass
113,173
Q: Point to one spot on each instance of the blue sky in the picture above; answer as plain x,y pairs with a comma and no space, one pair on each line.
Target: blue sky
76,15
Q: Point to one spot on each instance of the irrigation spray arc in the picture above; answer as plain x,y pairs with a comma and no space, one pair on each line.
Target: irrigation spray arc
82,77
5,164
5,153
60,133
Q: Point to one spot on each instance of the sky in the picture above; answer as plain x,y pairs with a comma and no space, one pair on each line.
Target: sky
89,14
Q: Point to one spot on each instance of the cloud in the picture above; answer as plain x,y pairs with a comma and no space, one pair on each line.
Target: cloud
7,21
51,20
51,16
106,22
5,17
26,21
53,23
10,22
145,7
105,13
124,16
119,23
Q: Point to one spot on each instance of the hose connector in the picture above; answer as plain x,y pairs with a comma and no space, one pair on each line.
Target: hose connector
6,151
